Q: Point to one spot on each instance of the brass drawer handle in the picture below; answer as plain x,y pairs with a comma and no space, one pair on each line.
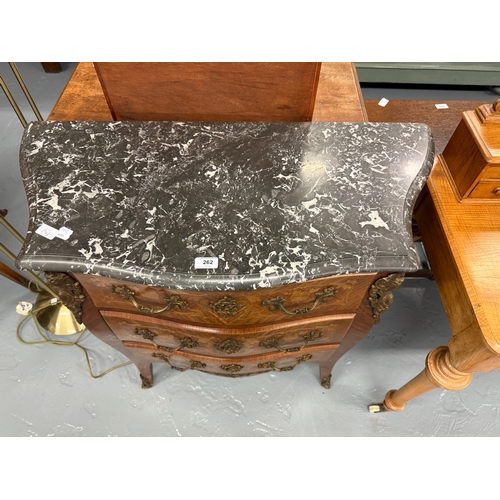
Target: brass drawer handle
186,343
270,365
173,302
274,342
276,304
229,346
195,365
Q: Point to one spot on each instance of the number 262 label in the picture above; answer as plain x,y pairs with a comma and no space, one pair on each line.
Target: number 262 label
206,262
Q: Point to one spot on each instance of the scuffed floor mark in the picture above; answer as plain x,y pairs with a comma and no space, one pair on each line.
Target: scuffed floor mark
379,425
66,379
263,396
90,408
8,359
22,420
395,336
67,430
199,419
263,429
285,410
223,398
165,418
135,403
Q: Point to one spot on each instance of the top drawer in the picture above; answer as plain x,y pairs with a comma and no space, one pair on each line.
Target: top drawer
334,295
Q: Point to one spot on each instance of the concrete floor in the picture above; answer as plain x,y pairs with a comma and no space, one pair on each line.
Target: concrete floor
47,390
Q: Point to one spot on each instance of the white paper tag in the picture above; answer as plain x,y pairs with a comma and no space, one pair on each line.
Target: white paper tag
64,233
442,106
206,262
47,232
50,233
383,101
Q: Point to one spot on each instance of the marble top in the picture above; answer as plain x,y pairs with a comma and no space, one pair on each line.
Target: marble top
268,203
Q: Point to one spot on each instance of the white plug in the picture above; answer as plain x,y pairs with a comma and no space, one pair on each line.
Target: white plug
24,308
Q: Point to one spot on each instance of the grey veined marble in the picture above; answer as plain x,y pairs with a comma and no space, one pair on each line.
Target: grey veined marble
267,203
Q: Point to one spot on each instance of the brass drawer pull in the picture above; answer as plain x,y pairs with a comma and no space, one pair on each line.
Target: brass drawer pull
232,368
173,302
270,365
186,343
195,365
229,346
274,342
276,304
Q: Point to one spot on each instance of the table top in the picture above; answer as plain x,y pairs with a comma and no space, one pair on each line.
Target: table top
274,203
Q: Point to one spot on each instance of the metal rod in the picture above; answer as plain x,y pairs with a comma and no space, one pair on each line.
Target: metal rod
13,103
20,80
11,229
33,276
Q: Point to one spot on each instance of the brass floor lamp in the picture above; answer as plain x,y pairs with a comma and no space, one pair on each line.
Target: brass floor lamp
50,312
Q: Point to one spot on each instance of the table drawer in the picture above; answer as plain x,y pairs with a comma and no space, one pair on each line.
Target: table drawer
487,189
170,336
320,297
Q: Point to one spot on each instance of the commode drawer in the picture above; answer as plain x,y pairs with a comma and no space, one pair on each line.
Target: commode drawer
233,367
170,336
316,298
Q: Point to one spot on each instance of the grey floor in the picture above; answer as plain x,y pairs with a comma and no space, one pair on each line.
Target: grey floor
47,389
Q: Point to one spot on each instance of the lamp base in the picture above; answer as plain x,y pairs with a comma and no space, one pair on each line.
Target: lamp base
56,317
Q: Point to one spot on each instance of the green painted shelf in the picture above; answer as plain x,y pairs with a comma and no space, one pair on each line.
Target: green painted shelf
435,73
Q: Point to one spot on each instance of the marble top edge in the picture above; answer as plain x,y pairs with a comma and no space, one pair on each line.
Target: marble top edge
284,197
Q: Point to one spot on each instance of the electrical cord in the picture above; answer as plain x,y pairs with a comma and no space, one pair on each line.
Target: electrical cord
31,313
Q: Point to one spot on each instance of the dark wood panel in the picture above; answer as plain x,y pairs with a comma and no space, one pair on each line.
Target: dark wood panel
12,275
442,122
210,91
51,67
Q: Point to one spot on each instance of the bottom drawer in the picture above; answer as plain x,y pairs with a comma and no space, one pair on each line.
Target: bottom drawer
232,367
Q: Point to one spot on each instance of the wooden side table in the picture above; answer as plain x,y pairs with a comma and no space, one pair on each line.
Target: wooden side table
461,235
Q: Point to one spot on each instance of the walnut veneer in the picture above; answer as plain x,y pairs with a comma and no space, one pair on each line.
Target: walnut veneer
236,333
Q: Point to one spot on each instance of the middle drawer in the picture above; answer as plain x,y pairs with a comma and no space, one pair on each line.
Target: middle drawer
173,336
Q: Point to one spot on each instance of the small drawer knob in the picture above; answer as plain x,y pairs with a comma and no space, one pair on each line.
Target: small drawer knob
496,191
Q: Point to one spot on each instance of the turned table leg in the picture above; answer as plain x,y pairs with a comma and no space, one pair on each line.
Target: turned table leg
438,372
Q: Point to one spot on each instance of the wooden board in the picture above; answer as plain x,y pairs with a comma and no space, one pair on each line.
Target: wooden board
338,96
82,98
210,91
